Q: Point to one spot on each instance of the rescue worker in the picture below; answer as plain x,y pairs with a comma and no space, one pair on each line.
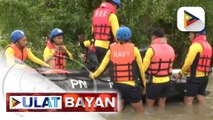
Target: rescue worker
158,63
197,67
55,50
124,57
90,57
104,26
17,52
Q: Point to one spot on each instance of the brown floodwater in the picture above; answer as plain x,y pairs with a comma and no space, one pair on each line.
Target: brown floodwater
172,111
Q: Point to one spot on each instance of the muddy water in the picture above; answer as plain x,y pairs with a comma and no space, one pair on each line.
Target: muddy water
173,111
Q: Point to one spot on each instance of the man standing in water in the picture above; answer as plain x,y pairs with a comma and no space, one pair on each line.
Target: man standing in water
123,57
197,67
158,63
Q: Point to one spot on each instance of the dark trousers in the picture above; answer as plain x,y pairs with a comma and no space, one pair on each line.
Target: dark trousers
100,52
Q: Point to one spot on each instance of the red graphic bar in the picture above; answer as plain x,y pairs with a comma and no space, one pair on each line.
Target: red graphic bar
62,102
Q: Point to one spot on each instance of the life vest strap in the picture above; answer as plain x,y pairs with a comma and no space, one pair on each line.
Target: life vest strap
102,33
123,64
163,75
204,64
153,69
59,61
129,74
170,61
159,69
115,71
124,70
124,76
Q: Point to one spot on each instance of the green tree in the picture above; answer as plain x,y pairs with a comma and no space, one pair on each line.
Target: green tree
38,17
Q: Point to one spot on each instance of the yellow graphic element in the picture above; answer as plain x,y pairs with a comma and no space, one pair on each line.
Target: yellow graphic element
186,18
15,102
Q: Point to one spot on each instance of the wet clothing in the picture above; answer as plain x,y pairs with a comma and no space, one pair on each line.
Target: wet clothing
121,60
15,55
192,59
196,86
55,58
197,78
131,94
158,61
157,90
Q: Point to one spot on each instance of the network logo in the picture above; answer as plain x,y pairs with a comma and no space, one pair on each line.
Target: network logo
14,102
62,102
191,19
18,102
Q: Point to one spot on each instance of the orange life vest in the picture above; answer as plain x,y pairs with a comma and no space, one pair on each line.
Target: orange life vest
101,25
57,61
122,62
162,61
19,54
202,61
